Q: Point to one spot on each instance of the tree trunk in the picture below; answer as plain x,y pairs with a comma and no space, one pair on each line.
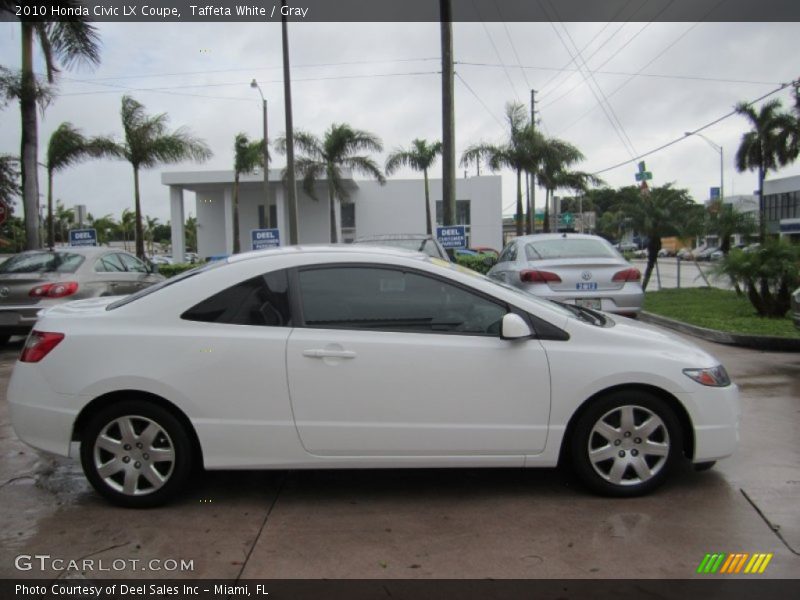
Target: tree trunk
762,221
527,213
51,226
546,223
520,230
532,206
429,227
237,248
653,246
138,222
332,204
29,144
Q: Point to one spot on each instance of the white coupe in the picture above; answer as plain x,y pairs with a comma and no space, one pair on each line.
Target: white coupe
357,357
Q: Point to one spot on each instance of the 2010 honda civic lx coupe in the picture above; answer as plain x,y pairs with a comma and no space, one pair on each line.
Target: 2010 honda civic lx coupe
357,357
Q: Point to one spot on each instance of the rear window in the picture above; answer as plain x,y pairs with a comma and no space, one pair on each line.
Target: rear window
568,248
43,262
166,283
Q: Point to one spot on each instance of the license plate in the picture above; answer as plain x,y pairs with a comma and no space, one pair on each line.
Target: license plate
592,303
592,285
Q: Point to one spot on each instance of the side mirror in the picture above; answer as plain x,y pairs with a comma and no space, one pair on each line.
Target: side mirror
514,327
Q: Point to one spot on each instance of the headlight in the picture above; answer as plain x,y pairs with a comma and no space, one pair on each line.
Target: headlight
713,377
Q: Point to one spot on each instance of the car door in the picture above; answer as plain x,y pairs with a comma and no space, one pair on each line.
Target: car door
400,362
140,276
113,278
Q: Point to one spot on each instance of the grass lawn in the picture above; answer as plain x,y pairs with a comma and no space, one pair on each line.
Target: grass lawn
716,309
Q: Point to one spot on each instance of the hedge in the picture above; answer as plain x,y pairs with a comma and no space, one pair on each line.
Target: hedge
172,270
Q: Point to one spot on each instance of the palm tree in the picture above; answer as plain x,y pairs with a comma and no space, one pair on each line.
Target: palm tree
9,178
247,156
190,228
68,146
725,221
337,150
515,153
67,42
419,157
554,173
105,227
765,147
150,226
65,217
663,212
149,143
126,226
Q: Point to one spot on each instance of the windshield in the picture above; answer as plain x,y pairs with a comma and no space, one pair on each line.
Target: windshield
43,262
166,283
569,248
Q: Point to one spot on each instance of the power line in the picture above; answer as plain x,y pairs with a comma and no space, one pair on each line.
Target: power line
497,53
623,73
697,130
478,98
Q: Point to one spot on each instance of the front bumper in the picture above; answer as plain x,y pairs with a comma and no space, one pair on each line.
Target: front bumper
715,414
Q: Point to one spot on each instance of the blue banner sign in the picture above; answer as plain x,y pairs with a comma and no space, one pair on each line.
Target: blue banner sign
83,237
265,238
454,236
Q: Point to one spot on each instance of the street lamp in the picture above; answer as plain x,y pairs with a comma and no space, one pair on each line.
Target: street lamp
254,84
721,151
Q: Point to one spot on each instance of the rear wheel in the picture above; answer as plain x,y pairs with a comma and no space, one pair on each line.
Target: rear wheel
4,339
136,454
626,443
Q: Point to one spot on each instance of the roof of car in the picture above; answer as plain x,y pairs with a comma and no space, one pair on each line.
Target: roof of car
393,236
83,250
327,248
536,237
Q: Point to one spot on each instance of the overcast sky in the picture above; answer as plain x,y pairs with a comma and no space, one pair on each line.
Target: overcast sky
660,80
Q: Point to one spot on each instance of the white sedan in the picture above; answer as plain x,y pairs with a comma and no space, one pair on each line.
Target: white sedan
357,357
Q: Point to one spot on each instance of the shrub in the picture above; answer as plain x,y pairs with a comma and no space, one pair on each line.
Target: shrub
172,270
480,263
768,275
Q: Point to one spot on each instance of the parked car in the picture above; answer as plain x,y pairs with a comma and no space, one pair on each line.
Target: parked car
579,269
417,242
627,246
39,279
796,308
348,356
486,250
685,254
706,254
161,260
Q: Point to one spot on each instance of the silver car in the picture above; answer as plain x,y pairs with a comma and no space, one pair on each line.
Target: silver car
578,269
38,279
796,307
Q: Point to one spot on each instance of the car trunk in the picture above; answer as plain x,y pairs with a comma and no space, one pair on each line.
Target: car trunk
582,274
15,288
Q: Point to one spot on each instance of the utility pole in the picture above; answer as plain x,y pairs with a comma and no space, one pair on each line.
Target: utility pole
254,84
291,184
448,118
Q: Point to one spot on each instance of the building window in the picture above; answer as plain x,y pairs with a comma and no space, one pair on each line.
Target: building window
348,222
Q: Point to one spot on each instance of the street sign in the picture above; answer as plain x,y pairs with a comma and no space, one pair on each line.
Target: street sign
3,212
454,236
83,237
566,218
262,239
643,175
714,193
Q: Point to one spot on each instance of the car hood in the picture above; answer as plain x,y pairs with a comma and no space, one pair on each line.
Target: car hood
637,336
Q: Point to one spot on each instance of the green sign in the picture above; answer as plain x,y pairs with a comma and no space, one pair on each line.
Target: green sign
566,218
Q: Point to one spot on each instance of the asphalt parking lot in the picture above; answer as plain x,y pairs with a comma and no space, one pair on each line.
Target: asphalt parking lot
425,523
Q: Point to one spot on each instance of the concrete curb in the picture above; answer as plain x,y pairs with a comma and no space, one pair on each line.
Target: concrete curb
769,343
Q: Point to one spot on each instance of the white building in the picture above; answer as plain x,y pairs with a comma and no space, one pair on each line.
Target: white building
782,207
397,207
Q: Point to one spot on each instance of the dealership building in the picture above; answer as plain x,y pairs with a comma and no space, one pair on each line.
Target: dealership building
372,208
782,207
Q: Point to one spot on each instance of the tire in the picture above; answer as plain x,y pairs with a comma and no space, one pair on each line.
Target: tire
615,460
4,339
129,475
704,466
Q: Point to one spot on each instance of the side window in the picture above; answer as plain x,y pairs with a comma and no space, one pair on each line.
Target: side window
132,264
262,300
110,263
393,300
509,253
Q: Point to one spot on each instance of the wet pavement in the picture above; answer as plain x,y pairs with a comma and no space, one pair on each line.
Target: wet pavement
505,523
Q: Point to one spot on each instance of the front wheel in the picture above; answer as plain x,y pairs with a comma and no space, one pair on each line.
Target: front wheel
626,443
136,454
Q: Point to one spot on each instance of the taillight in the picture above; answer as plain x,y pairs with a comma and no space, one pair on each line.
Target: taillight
631,274
54,290
535,276
39,344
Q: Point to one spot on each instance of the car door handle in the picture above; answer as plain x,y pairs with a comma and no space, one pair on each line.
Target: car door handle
329,354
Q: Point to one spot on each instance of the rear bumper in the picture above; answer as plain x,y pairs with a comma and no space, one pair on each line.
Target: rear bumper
18,320
627,299
41,417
